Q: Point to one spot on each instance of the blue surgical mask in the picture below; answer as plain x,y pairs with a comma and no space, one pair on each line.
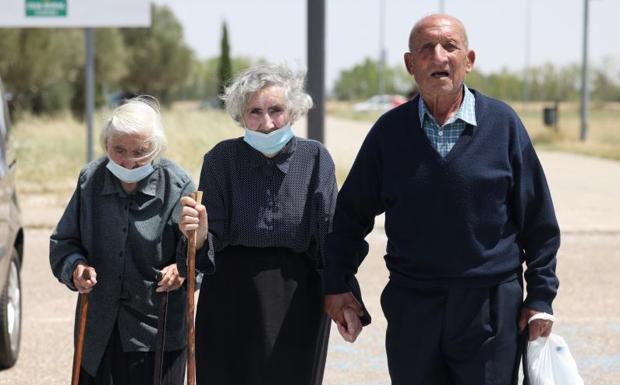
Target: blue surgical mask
129,175
270,143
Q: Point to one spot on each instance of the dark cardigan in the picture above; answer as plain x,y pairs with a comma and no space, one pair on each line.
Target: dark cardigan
469,219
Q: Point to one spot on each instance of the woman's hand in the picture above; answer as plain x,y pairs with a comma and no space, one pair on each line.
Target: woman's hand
345,311
194,217
351,327
84,278
170,279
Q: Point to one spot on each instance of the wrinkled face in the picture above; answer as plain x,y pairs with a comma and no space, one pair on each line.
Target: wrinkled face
439,58
266,110
129,150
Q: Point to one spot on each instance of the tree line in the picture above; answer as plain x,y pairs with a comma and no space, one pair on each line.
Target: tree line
43,69
543,83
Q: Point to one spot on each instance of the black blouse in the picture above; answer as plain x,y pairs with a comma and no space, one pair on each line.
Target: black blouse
254,201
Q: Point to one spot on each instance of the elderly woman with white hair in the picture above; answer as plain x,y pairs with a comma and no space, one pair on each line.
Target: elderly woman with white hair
118,241
270,198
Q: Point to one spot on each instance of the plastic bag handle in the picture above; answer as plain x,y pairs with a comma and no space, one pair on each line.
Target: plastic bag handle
543,316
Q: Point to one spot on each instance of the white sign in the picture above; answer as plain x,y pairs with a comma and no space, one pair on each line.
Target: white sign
75,13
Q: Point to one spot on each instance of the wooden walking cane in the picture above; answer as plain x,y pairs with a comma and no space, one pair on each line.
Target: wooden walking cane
191,285
79,346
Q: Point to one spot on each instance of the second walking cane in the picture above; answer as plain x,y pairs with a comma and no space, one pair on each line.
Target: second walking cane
189,314
79,344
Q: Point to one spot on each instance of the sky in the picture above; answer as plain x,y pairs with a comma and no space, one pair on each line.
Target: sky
276,30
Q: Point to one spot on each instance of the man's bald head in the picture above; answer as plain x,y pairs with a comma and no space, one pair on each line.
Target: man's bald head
438,20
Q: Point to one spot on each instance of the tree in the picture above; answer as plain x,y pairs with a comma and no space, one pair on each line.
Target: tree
224,68
202,82
158,59
604,87
110,67
44,69
362,81
38,66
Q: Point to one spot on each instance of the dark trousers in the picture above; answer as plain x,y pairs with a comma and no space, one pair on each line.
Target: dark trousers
452,336
134,368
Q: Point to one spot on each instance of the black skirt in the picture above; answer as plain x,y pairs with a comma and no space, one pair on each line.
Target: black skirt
134,368
260,320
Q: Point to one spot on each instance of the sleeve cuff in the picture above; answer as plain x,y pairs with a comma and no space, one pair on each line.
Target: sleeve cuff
335,283
69,265
205,257
538,305
338,283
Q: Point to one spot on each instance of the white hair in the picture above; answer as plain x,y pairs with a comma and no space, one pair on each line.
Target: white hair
138,115
254,79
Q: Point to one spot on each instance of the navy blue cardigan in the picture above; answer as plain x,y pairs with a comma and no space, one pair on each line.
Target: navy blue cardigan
469,219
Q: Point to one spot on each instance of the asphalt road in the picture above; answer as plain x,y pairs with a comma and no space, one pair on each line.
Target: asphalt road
585,192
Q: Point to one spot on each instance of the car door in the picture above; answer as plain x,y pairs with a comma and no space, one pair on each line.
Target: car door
6,176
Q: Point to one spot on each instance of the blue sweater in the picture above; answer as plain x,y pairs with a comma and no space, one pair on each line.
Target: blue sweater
469,219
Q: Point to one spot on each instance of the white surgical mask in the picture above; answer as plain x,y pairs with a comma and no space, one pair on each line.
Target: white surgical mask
129,175
269,143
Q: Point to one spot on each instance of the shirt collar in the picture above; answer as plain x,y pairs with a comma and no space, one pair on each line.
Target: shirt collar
281,160
466,112
147,186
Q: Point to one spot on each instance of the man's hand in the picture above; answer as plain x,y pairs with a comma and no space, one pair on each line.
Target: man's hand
194,217
538,327
84,278
169,279
345,311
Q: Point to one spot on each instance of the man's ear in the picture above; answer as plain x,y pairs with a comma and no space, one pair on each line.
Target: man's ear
471,58
409,62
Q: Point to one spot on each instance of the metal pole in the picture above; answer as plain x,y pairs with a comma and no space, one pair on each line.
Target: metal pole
316,68
584,74
442,6
89,35
526,77
381,66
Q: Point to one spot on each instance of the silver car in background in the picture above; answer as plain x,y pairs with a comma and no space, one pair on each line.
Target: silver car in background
11,246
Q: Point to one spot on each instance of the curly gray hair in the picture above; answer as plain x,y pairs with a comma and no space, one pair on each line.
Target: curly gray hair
137,115
254,79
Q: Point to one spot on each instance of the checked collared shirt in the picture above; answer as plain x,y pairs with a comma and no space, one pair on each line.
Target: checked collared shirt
443,138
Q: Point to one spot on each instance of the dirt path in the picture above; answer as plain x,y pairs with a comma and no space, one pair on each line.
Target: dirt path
585,192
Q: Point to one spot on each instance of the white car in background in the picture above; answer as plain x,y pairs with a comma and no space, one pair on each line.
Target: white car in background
380,103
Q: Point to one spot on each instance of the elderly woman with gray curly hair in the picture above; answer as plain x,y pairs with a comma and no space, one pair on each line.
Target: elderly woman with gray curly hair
117,240
270,198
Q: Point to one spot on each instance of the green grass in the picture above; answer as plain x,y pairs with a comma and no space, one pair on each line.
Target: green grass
603,139
51,150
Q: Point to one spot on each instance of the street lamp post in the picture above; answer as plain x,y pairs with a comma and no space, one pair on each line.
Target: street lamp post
381,64
316,68
526,76
584,74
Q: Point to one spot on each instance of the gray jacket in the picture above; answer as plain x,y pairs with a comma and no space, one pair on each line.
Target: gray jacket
127,238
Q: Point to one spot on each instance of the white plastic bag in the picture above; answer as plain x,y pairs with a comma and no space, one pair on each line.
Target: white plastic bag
549,362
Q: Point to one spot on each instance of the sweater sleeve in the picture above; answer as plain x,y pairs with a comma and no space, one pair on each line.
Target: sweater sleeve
324,203
539,233
359,201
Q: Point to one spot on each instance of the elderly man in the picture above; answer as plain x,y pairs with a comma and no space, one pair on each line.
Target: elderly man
466,203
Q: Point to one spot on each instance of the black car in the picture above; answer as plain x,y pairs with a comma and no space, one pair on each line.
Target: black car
11,246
